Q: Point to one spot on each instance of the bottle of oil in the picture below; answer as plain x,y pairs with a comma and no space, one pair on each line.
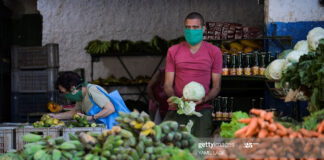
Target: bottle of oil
219,113
239,68
233,65
255,68
225,109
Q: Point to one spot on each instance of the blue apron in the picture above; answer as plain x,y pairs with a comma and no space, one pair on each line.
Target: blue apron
118,103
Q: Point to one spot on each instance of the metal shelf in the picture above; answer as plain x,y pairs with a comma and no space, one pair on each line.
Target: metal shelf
141,90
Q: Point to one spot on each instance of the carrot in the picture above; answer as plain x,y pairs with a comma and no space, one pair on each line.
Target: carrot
251,127
281,133
269,116
262,123
256,111
305,132
270,134
321,127
263,114
254,132
245,120
282,129
263,133
299,135
272,127
293,135
240,132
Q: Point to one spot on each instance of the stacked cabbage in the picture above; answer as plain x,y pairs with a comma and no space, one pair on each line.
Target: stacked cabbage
288,57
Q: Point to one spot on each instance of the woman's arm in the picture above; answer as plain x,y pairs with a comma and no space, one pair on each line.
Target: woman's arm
106,111
65,115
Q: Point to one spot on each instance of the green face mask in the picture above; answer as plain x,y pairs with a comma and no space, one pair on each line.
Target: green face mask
193,36
75,97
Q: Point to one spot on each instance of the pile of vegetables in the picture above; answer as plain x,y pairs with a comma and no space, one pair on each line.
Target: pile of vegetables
272,140
192,91
125,47
80,122
228,129
135,138
308,76
288,57
48,121
300,70
263,125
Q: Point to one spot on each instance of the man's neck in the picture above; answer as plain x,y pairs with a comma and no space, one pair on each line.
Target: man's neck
194,48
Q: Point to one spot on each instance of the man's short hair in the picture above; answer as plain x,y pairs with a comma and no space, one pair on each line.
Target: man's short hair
196,15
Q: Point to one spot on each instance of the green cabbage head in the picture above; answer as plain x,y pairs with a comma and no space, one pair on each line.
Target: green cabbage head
193,91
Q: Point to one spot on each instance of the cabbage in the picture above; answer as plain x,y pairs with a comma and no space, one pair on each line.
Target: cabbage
314,36
267,73
274,69
193,91
294,56
185,107
301,46
284,54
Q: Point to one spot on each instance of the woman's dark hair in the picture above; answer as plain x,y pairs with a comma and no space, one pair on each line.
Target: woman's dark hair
68,79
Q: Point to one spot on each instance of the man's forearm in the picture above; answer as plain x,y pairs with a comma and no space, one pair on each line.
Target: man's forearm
169,91
212,94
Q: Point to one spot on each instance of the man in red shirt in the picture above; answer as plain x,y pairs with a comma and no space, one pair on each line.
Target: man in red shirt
193,60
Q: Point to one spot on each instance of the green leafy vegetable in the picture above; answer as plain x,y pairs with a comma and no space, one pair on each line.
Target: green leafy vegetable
185,107
228,129
311,121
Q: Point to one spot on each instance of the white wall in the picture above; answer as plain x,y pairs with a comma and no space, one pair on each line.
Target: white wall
294,10
72,23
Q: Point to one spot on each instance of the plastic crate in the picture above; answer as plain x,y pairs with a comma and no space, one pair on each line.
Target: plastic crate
23,104
7,137
20,132
35,57
33,81
75,130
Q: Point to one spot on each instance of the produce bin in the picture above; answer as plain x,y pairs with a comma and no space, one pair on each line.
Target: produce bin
74,130
33,81
23,104
7,138
35,57
20,132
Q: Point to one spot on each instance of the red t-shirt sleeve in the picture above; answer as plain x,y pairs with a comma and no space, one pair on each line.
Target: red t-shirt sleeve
170,62
218,61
